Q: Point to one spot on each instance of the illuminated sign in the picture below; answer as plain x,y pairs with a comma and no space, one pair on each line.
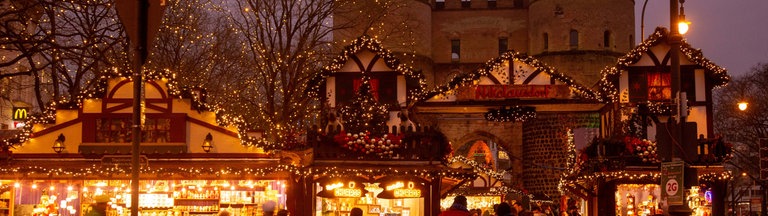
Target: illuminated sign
501,92
351,189
334,186
20,113
407,193
396,186
399,190
347,192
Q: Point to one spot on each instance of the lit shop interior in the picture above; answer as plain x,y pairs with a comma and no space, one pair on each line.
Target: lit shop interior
337,197
637,199
484,203
643,199
156,198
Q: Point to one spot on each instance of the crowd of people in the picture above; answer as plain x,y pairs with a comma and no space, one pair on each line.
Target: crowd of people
511,208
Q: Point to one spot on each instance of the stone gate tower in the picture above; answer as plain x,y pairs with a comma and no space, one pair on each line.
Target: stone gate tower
580,37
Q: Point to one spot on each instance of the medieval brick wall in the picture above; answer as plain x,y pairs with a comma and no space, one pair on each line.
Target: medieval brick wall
545,147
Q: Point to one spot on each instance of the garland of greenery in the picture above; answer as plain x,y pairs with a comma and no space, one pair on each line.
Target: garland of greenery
511,114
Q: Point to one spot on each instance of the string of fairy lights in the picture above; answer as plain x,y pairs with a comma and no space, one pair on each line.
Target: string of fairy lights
609,86
357,45
502,189
496,63
96,171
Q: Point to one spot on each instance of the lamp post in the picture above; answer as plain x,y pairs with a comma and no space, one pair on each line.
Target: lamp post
763,146
678,97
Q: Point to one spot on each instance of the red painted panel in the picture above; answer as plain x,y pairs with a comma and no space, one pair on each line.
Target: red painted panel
178,127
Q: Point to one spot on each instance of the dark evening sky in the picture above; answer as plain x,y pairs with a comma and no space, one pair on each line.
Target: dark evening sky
731,33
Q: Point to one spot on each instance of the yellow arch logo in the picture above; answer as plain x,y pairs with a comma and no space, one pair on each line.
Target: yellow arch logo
19,113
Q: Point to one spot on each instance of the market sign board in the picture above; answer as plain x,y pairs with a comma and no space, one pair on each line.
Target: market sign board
123,161
401,189
503,92
341,189
20,113
672,183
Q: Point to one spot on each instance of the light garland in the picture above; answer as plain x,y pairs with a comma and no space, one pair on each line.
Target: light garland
366,43
115,172
511,114
608,84
494,64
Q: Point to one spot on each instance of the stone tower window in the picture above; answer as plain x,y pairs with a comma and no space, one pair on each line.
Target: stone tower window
607,39
503,45
466,3
546,41
631,42
440,4
455,50
491,3
574,39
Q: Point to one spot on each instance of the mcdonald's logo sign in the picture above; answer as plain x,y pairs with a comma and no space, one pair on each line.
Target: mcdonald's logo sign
20,113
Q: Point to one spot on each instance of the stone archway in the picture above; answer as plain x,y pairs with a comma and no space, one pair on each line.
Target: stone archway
495,151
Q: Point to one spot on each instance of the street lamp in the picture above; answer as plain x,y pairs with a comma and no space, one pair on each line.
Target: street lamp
743,105
208,143
58,145
682,24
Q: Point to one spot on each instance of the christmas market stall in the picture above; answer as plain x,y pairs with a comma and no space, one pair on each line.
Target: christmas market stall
77,154
631,168
370,152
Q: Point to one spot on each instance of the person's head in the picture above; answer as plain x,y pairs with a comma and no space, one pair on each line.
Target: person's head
503,209
474,212
535,209
356,212
459,202
282,212
517,206
224,213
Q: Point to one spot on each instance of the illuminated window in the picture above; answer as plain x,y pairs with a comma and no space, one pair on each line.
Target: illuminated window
659,86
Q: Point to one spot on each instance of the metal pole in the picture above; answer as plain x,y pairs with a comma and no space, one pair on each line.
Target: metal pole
675,39
140,56
642,22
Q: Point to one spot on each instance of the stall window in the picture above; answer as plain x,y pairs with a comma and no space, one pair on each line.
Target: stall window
118,130
659,86
653,85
